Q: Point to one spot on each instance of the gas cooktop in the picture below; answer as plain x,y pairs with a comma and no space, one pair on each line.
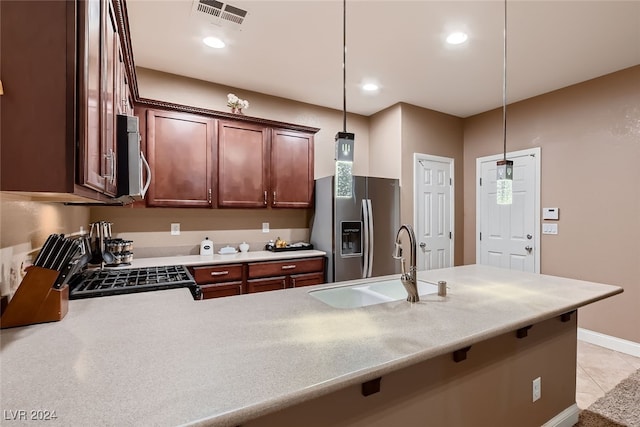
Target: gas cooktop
98,283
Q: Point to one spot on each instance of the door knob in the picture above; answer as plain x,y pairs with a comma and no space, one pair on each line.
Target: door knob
529,236
528,248
423,245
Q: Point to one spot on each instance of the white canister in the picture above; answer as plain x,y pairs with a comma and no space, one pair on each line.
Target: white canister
206,247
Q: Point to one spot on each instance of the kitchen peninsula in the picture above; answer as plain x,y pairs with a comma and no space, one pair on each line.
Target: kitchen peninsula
285,358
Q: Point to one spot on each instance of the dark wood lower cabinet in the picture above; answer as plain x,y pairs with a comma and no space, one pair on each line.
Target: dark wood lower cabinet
309,279
225,280
221,280
267,284
218,290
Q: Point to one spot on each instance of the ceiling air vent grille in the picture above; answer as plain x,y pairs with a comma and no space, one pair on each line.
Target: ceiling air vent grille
218,12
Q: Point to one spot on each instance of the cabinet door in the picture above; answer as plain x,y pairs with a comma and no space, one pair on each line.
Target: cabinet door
92,161
179,148
109,62
217,274
243,167
291,169
309,279
98,45
285,267
268,284
122,88
221,290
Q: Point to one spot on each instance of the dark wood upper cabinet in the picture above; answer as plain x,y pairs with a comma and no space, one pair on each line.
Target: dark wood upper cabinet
261,166
291,169
243,174
58,62
179,147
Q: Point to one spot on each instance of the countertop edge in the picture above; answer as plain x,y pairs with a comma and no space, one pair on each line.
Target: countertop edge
251,412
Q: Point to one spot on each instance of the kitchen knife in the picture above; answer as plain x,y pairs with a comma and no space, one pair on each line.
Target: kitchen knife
68,251
44,249
60,249
72,268
51,251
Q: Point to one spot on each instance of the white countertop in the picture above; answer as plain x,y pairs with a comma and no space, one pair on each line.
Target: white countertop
238,257
160,358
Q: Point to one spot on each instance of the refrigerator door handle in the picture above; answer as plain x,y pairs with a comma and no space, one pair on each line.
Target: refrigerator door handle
370,233
365,232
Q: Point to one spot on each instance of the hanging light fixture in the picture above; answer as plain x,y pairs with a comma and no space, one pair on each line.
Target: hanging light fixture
344,139
504,178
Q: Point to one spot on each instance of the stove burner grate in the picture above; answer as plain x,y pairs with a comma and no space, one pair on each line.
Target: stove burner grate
97,283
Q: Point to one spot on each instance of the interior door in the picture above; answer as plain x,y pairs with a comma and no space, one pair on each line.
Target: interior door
508,236
433,208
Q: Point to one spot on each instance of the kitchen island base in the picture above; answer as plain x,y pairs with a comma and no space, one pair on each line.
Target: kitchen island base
491,387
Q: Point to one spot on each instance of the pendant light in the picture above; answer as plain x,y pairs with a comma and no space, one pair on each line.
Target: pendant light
504,178
344,139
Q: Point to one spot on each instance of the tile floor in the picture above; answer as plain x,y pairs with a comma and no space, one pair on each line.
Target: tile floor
599,370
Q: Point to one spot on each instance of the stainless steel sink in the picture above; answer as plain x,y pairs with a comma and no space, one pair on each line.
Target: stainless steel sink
370,293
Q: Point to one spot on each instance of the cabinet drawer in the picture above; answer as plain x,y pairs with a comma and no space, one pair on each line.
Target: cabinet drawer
293,266
308,279
221,290
217,274
267,284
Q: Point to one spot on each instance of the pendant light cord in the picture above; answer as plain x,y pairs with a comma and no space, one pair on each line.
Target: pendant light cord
504,84
344,65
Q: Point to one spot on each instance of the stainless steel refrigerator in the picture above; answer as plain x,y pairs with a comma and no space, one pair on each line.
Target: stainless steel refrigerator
358,232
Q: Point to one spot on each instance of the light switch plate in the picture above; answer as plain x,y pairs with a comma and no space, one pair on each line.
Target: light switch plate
265,227
175,228
551,213
549,228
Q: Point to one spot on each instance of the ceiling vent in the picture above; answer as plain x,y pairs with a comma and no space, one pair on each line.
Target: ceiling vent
219,13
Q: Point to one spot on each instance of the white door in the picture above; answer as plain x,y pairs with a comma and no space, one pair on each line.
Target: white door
508,235
433,211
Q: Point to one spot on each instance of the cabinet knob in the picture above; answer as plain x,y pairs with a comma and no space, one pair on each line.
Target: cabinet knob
265,197
274,198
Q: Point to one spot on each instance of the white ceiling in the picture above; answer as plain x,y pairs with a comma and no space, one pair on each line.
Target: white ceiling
293,49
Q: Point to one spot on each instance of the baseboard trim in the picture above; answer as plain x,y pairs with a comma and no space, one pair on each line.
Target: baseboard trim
566,418
610,342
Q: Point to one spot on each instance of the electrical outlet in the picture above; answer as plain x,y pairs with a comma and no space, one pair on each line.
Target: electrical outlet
265,227
175,228
536,389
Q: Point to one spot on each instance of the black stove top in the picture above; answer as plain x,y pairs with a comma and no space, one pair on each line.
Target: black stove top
97,283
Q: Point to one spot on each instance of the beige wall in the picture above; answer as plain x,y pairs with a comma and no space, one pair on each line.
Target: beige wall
589,136
430,132
24,226
385,156
197,93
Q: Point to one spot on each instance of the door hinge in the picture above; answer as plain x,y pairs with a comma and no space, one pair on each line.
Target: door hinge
449,234
480,235
450,181
480,182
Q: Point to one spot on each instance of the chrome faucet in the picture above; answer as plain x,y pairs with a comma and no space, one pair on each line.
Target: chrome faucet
408,279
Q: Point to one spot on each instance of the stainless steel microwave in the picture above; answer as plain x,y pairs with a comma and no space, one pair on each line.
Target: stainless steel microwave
132,167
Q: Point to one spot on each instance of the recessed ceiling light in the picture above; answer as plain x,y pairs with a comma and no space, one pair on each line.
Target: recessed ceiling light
370,87
457,38
213,42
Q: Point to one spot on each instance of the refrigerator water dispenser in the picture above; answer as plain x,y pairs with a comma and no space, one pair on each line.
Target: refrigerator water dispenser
351,244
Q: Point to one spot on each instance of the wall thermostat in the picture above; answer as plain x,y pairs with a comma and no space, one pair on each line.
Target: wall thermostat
551,213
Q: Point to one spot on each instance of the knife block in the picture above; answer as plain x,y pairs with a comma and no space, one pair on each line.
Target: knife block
35,300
